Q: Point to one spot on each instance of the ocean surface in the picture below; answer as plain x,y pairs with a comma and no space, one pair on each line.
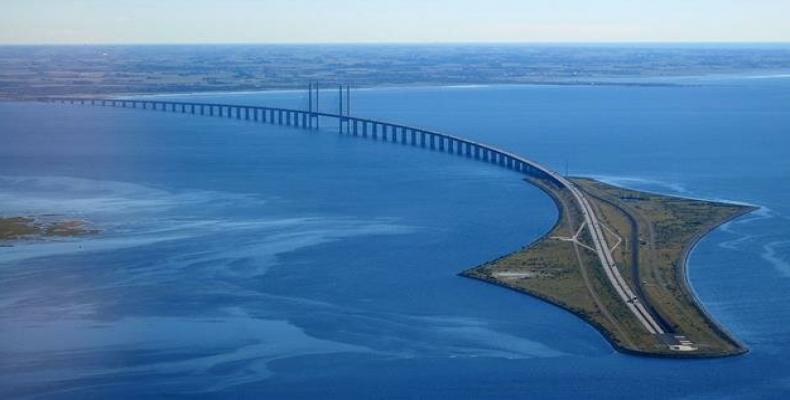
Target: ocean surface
241,260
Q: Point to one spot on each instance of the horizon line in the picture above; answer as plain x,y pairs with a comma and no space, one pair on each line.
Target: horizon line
412,43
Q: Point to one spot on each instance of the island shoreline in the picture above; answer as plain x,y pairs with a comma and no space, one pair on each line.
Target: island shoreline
603,331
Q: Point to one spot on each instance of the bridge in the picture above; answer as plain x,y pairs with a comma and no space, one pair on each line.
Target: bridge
406,135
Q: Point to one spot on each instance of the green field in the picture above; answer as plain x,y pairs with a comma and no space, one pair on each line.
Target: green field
16,228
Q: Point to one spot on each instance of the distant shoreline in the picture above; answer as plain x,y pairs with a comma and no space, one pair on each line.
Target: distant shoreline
112,70
637,82
296,89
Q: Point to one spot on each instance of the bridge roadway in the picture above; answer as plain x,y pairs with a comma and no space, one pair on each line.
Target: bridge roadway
403,134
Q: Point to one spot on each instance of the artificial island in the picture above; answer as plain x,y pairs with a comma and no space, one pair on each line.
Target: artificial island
615,257
630,281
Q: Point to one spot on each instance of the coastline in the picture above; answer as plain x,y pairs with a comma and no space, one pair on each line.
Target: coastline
650,82
683,270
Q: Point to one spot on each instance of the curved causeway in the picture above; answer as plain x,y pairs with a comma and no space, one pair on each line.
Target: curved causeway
588,241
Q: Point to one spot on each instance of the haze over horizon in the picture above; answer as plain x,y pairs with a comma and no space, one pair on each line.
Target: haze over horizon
380,21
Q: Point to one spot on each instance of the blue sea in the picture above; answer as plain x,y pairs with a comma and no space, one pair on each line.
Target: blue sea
247,261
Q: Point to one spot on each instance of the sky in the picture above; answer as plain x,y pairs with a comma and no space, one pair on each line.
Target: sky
398,21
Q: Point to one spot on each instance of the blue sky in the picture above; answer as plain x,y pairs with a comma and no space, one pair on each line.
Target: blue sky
285,21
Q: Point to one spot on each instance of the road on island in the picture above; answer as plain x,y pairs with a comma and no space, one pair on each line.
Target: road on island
602,249
607,261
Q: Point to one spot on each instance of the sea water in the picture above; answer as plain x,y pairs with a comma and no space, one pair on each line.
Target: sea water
242,260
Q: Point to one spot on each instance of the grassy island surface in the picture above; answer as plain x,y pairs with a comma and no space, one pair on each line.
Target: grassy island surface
651,236
16,228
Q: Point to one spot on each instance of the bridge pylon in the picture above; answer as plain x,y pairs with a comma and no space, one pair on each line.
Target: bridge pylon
344,107
312,105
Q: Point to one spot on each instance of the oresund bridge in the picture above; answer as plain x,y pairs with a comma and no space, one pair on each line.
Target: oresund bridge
312,119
